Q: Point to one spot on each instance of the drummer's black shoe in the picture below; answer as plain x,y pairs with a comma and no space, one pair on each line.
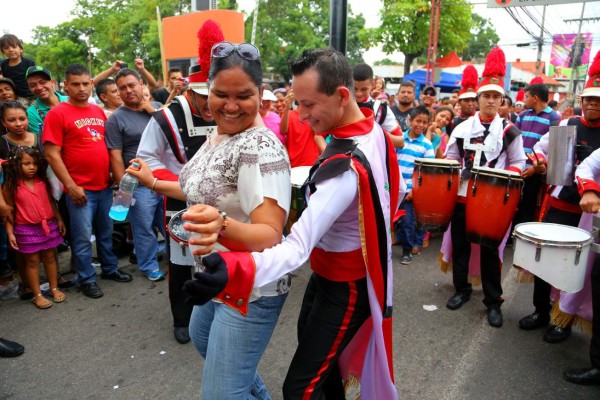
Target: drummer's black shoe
534,321
457,300
585,376
557,334
494,316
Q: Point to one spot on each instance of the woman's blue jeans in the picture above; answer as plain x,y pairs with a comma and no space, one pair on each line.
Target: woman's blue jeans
232,346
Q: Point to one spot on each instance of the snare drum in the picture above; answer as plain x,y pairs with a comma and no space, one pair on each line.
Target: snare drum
435,188
492,199
555,253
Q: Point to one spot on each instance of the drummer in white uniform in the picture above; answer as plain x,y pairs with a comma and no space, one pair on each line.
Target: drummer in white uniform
504,151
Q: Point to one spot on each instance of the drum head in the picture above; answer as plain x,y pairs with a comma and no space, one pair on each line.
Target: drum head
176,230
552,233
299,175
437,162
495,172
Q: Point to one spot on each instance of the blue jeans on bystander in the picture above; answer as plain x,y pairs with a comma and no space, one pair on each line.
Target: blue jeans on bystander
406,229
144,215
92,218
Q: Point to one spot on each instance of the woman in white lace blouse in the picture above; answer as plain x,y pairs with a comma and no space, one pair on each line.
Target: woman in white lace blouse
237,187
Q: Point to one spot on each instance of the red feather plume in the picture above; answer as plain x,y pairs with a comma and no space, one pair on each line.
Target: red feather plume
520,95
595,67
469,77
537,80
209,34
495,63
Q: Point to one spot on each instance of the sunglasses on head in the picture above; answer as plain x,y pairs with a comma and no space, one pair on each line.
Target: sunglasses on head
246,50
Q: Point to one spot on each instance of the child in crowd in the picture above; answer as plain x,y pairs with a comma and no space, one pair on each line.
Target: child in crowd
437,133
15,66
37,226
416,145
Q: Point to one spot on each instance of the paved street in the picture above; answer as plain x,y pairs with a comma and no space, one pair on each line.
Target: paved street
121,346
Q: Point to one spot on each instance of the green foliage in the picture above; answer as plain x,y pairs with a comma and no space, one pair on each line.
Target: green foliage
103,31
483,39
287,27
405,28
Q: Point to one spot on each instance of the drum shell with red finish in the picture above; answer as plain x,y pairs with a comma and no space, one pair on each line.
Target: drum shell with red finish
492,199
434,191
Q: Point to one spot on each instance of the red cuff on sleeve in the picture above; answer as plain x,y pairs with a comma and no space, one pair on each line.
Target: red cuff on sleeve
587,185
396,132
165,175
241,271
515,169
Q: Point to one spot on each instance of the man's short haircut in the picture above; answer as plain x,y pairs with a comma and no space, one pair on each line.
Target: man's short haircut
77,70
172,70
508,100
362,72
540,90
456,91
127,72
10,40
410,84
420,110
102,86
331,65
552,103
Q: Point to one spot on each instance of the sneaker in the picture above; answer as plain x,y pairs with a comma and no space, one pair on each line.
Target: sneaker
96,262
155,276
406,259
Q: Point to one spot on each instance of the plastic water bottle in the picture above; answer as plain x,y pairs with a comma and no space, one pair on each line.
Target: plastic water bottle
124,197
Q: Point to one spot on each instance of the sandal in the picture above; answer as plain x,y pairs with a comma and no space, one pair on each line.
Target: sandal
58,296
41,302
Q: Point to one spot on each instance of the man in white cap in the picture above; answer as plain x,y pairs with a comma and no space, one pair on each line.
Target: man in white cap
488,128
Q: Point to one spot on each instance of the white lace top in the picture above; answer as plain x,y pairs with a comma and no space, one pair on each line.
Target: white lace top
235,174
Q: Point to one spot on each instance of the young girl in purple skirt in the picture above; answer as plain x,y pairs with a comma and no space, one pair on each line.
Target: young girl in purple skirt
37,226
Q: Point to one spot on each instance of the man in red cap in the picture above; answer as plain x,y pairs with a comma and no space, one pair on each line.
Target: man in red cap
170,139
467,96
505,151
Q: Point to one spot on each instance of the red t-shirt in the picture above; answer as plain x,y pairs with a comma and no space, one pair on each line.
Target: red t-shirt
301,146
79,131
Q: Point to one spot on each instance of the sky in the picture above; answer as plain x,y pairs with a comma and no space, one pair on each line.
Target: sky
40,13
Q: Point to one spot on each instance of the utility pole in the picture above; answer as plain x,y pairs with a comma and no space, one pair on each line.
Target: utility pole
434,27
571,92
538,63
254,23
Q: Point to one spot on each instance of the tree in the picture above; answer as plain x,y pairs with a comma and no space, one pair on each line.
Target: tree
287,27
405,28
483,39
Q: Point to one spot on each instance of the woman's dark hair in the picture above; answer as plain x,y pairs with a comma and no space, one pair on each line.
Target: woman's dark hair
251,67
10,105
14,172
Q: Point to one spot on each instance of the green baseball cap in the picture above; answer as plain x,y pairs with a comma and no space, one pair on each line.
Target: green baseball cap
38,69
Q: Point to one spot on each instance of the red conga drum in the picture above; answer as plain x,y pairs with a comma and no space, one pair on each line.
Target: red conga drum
434,189
492,200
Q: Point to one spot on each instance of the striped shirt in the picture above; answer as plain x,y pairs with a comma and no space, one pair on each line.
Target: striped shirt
420,147
534,126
